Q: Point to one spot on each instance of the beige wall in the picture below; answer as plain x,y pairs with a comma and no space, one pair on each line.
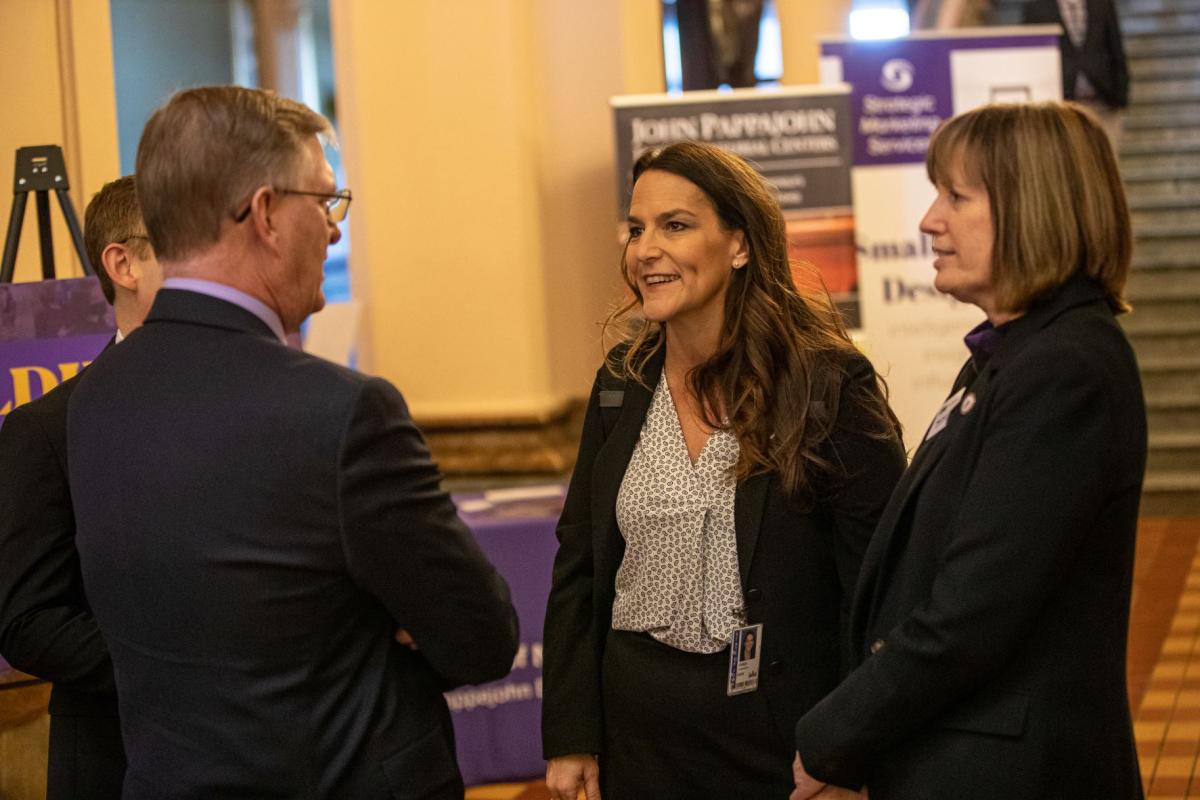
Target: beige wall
479,148
58,89
803,22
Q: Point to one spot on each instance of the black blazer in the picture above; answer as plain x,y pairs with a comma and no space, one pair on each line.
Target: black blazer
1102,56
995,595
797,569
46,624
254,525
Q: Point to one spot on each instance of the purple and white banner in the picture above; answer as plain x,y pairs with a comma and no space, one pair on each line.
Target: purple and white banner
49,330
901,90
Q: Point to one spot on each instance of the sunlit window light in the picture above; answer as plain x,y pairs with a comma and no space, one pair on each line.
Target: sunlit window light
878,23
672,59
768,61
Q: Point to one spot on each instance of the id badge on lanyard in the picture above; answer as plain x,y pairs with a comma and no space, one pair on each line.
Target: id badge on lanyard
745,653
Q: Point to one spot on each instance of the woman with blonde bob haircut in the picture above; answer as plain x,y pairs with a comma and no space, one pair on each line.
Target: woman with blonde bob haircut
1057,201
991,618
736,453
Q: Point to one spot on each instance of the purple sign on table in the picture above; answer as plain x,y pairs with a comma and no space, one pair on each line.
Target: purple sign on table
498,725
49,330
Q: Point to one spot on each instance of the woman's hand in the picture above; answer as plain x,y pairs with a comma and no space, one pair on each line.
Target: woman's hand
809,787
806,785
566,774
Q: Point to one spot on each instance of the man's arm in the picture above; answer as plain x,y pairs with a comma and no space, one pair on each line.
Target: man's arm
405,544
46,628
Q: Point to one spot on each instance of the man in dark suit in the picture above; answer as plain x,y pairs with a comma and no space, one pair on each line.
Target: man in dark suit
1095,72
46,624
275,523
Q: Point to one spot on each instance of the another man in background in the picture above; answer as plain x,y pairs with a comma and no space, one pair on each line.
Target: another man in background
276,518
1095,72
46,623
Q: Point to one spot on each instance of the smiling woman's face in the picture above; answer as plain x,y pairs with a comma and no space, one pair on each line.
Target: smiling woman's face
679,255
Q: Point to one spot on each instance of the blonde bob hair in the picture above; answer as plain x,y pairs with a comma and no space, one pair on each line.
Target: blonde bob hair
1058,206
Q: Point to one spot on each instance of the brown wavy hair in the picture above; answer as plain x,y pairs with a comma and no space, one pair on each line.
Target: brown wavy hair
782,357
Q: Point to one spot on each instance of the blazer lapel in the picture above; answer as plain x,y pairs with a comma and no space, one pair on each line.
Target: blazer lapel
875,561
1077,291
613,459
748,505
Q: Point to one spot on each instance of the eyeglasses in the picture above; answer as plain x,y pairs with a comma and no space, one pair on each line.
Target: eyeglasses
141,236
337,204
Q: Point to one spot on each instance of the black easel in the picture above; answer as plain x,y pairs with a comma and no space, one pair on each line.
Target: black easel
41,169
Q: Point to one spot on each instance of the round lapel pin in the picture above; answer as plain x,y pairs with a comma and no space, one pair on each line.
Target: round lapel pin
968,403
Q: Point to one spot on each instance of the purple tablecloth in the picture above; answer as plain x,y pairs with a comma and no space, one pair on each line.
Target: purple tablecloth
498,725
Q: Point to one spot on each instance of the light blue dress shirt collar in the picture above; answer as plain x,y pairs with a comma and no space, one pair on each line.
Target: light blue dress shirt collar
232,295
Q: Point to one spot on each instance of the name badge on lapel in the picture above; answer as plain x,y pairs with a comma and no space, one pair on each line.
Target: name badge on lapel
943,415
611,398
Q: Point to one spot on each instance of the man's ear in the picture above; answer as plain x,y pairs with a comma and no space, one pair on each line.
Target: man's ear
263,204
117,261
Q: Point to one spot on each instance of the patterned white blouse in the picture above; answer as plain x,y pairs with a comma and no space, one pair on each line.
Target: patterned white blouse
679,578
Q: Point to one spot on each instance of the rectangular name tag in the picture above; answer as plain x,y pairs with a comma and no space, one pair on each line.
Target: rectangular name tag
611,398
745,651
943,415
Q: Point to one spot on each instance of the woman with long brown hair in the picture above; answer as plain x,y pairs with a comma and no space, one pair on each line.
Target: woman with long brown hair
736,454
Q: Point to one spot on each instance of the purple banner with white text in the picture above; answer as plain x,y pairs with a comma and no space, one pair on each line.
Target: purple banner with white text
900,91
49,330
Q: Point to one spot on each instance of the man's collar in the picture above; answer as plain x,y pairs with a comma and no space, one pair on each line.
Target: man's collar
229,294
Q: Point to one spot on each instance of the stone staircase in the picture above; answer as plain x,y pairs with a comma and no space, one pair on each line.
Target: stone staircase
1160,162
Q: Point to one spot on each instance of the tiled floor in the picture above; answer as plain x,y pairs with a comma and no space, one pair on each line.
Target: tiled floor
1167,720
1164,666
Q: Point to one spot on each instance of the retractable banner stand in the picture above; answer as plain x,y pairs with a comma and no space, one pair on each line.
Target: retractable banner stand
901,89
49,330
799,139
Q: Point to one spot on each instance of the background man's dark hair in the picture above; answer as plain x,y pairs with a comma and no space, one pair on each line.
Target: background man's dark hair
113,215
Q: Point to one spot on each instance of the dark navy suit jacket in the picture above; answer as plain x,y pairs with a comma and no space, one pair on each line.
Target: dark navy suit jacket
254,525
992,613
46,624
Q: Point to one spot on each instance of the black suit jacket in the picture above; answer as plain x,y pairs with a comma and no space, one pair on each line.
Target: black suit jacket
1102,56
254,525
46,624
995,595
798,569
